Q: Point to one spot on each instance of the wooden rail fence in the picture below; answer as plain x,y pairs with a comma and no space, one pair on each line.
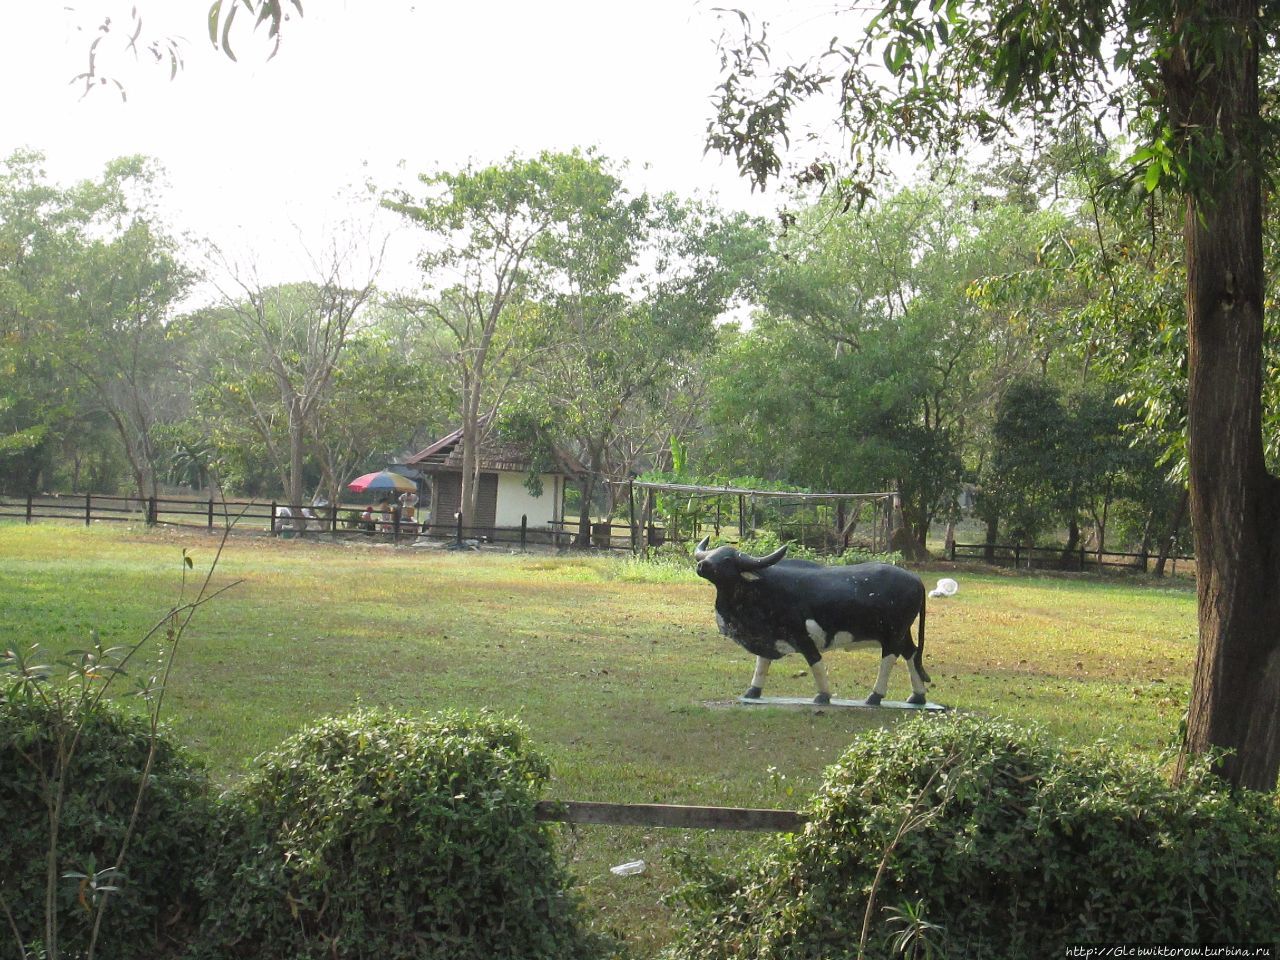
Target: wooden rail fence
338,519
1056,558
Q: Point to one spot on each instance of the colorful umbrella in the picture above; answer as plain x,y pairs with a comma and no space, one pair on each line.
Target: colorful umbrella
382,480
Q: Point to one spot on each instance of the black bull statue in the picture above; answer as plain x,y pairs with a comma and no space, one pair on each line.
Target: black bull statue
772,607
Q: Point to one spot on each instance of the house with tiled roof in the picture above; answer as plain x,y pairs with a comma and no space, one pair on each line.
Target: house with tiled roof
503,496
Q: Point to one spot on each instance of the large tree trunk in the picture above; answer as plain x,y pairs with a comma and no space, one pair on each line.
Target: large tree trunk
583,537
469,494
1235,694
296,452
1168,541
989,545
1068,556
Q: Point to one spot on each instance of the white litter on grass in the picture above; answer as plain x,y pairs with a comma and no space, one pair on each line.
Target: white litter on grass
946,588
629,868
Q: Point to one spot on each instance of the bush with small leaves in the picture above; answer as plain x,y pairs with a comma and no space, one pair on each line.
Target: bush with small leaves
764,542
382,836
962,837
79,766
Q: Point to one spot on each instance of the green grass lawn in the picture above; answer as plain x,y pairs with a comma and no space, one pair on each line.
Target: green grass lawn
616,668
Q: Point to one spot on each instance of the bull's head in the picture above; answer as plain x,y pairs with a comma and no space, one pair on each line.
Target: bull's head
724,565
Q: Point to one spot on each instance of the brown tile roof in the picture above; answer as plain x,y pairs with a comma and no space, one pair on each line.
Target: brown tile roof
445,455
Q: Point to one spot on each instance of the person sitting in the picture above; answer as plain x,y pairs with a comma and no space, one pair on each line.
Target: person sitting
366,519
408,505
385,520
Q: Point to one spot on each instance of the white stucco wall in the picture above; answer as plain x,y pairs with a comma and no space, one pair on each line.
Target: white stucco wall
514,501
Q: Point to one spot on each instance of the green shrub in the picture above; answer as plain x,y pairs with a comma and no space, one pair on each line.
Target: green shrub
148,914
764,542
386,837
996,843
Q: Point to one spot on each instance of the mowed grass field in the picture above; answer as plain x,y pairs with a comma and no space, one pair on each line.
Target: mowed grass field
615,667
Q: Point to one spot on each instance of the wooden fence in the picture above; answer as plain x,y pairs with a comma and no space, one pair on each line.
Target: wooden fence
263,517
1056,558
259,516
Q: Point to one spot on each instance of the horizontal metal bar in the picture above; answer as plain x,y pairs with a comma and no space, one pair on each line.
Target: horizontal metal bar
738,491
670,815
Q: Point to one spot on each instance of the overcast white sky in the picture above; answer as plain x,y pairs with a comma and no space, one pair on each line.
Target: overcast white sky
375,89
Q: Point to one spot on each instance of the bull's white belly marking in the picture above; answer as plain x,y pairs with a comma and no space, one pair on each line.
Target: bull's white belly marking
816,633
783,647
840,640
720,622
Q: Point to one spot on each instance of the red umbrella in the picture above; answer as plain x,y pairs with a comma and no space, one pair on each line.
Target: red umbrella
383,480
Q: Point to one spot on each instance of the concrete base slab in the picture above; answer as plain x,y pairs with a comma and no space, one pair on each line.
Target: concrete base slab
838,703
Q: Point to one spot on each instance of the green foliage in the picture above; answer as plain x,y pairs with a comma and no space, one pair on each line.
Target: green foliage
390,837
960,70
976,838
153,898
1024,481
868,368
763,542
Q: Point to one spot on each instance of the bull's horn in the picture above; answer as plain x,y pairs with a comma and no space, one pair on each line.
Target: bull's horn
746,562
700,551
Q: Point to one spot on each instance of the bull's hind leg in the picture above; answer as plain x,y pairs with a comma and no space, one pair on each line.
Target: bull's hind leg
757,679
917,697
882,681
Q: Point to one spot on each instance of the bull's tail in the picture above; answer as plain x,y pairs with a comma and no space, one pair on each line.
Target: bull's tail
918,659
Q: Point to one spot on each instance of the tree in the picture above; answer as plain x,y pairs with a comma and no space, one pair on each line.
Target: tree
88,280
379,400
1183,77
620,344
499,239
1025,483
869,365
293,336
38,407
122,289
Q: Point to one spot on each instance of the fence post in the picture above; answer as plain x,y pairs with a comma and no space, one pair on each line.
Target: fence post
333,518
631,502
153,513
395,524
211,513
1017,555
458,515
28,506
951,551
88,508
273,517
524,529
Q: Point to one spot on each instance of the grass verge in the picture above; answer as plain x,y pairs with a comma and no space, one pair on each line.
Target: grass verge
616,669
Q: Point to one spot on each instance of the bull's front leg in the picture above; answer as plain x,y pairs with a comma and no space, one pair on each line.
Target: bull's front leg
758,678
820,678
